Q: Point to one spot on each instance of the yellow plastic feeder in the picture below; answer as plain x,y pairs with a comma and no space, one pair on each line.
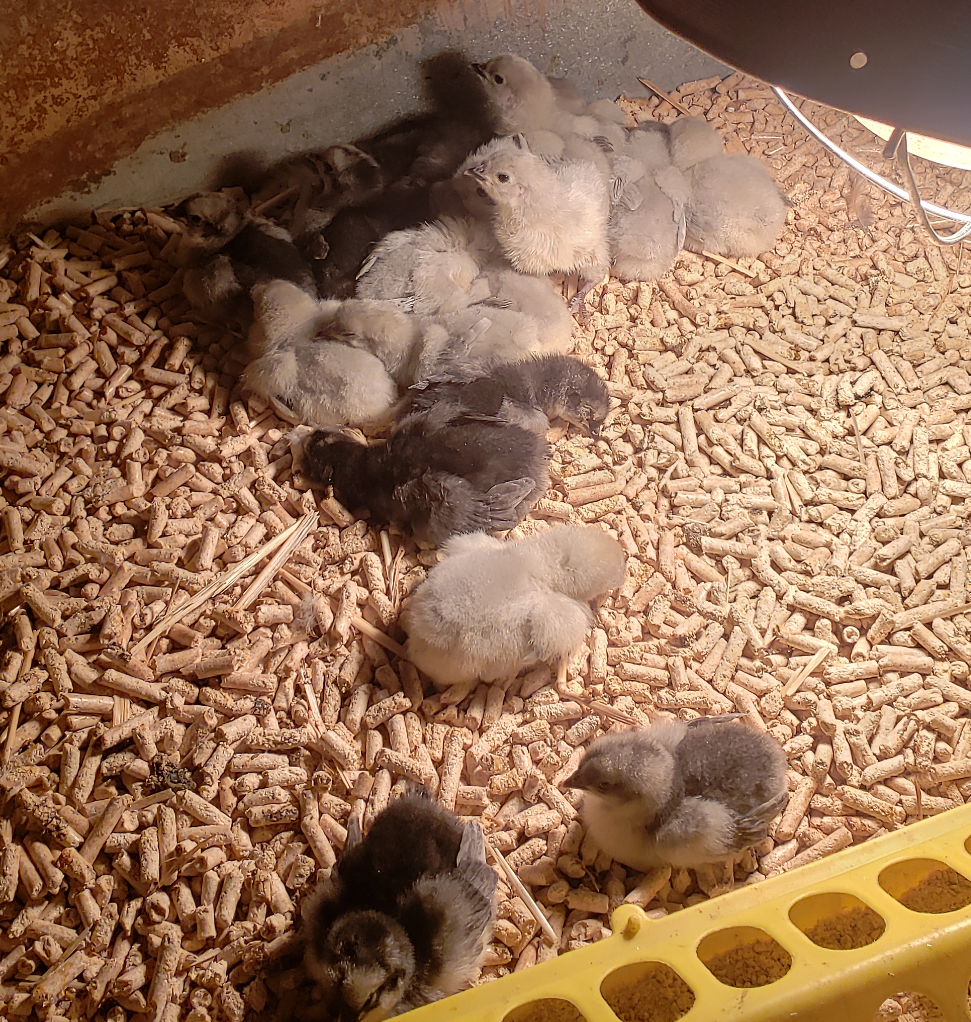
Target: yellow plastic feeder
781,950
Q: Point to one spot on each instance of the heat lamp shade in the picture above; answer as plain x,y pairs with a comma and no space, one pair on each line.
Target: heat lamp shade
917,70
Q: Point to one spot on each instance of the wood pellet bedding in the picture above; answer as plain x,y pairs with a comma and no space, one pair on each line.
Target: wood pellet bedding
788,467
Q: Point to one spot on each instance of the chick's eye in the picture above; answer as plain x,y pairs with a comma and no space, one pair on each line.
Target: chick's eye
502,176
498,79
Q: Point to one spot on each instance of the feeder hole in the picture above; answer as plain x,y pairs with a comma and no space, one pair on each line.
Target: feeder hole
926,885
549,1009
909,1006
744,956
837,921
647,992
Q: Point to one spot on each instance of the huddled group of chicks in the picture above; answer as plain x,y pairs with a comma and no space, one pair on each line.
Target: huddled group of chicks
416,253
410,289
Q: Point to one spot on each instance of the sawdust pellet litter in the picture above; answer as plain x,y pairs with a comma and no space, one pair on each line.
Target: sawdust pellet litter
856,927
196,644
653,993
550,1009
754,964
944,890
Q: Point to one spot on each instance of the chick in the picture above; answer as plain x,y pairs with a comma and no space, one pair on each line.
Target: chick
547,112
525,316
529,393
548,326
212,220
407,916
429,269
681,794
491,608
647,220
735,207
324,382
439,473
523,98
690,140
228,251
348,238
462,118
550,217
450,272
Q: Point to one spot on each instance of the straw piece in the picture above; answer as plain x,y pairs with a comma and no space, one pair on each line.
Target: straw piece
301,529
219,585
523,893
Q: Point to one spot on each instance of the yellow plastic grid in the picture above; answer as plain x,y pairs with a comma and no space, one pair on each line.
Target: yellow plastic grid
920,952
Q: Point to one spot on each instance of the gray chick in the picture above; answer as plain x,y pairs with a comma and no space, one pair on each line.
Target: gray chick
529,393
681,794
429,269
228,251
491,608
324,381
550,216
690,140
524,100
735,207
451,273
523,315
647,217
440,473
407,916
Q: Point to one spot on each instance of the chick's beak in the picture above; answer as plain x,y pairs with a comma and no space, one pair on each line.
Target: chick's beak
477,172
573,781
479,69
593,429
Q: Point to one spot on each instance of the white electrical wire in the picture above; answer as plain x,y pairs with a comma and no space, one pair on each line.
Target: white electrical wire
907,171
870,175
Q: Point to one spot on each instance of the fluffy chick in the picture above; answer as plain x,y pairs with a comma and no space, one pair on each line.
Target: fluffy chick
735,208
690,141
439,473
529,393
320,362
406,918
228,251
429,269
491,608
681,794
548,326
450,272
523,316
548,112
550,216
346,241
647,218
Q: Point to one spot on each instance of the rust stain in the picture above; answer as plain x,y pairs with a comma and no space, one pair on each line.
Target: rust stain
75,101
